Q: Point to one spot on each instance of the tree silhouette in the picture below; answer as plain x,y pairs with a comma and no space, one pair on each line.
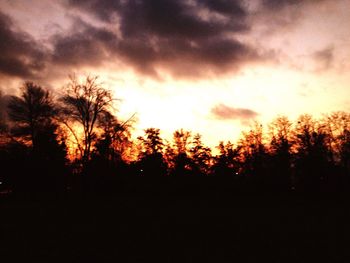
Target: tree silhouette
312,153
84,103
151,143
151,155
200,156
253,150
115,140
254,158
32,115
281,154
227,162
177,155
337,126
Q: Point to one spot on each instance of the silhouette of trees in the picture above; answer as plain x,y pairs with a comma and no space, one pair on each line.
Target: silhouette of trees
227,162
33,121
200,156
151,161
309,155
84,104
337,126
281,156
312,154
32,114
177,154
253,150
104,170
151,143
33,126
115,140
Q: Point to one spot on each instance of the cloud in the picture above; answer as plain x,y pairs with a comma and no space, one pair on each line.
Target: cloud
189,38
182,38
20,55
280,4
324,58
273,17
84,45
224,112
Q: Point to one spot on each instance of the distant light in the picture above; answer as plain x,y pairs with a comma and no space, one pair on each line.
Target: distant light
0,182
141,170
236,173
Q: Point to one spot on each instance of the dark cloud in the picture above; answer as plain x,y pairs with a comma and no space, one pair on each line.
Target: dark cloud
87,45
104,10
276,5
180,37
224,112
228,7
185,57
324,58
167,35
20,55
276,16
174,18
156,10
279,4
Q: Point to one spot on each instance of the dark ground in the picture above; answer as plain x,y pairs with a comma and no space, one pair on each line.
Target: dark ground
148,227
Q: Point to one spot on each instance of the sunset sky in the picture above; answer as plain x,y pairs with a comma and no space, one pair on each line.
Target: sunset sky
210,66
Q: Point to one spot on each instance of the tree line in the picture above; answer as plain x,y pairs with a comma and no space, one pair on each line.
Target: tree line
75,142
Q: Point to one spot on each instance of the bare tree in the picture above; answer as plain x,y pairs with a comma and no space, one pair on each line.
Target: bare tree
115,140
83,104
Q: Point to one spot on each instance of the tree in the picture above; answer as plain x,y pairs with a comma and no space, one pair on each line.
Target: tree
151,155
312,154
114,142
33,124
108,163
281,145
253,151
227,162
32,114
200,156
177,155
337,126
84,103
151,143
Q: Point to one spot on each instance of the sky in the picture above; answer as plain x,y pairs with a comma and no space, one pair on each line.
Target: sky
209,66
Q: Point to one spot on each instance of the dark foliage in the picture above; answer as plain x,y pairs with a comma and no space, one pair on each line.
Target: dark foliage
309,156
